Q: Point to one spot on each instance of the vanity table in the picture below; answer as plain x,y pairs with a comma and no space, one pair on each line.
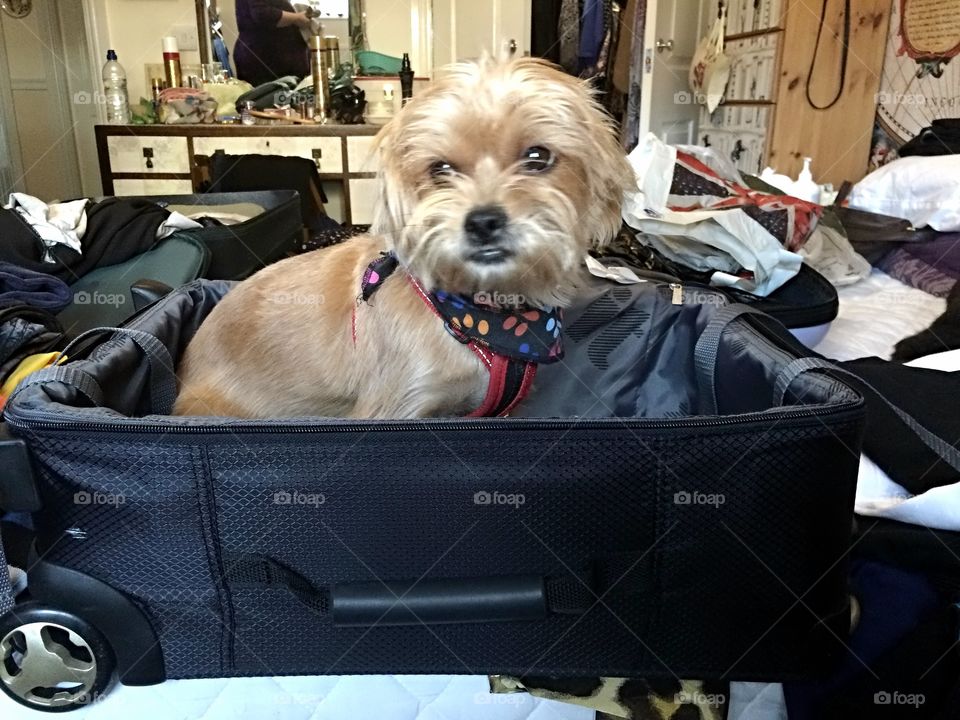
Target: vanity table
170,159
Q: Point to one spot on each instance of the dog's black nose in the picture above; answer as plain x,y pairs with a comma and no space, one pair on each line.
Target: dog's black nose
483,225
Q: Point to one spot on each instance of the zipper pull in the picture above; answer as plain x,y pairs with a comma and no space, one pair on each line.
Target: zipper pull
677,289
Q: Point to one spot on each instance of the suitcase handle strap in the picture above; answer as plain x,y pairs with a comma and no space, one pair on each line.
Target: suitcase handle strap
707,351
947,452
163,381
79,380
423,601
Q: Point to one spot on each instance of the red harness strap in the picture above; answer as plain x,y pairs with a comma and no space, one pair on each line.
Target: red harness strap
510,379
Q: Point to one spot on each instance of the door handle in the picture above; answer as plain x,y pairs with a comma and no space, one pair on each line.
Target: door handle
664,45
512,47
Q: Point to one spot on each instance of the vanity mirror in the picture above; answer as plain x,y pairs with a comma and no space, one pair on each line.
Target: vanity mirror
387,27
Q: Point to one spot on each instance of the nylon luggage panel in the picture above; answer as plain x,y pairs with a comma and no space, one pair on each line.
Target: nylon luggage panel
702,546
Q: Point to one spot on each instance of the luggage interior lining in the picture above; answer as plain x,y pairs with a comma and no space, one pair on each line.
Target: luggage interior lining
658,382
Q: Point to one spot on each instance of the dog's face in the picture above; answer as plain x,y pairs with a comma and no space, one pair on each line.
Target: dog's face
498,178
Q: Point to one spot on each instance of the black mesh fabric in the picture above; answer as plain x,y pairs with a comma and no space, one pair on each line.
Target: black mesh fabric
694,589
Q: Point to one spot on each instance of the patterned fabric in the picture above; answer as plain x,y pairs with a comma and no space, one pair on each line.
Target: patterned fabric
931,265
519,332
522,333
630,132
697,187
631,699
376,274
570,36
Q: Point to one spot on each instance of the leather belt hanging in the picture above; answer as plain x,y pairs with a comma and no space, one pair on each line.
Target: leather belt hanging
844,55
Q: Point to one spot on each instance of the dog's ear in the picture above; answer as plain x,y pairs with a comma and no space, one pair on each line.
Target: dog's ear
393,206
609,176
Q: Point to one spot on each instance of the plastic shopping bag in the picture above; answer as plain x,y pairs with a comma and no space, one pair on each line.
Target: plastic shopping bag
710,69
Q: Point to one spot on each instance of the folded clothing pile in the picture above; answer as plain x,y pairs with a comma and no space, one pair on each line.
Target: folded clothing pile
108,232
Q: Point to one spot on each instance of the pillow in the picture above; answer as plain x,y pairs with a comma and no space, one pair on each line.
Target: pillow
923,190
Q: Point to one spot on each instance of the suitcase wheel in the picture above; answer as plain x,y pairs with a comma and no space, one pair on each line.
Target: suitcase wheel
52,660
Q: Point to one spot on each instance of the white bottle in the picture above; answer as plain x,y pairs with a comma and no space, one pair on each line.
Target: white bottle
805,187
115,91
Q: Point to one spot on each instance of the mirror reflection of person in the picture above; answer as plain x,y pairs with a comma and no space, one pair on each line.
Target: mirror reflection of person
270,44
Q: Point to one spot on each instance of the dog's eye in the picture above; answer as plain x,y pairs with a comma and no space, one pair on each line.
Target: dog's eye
536,160
442,169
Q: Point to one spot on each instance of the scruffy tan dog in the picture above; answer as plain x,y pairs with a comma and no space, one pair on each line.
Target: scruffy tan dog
497,178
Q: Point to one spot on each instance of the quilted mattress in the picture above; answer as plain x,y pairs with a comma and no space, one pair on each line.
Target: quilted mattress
375,697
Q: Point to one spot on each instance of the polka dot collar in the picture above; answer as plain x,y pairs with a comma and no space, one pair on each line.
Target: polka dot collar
520,332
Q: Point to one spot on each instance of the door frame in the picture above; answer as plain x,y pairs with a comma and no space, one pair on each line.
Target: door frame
646,79
9,134
421,36
98,42
703,13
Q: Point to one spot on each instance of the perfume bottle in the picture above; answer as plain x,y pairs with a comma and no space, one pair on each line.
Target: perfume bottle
406,80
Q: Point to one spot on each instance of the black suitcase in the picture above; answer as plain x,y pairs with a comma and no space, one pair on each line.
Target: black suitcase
238,251
707,539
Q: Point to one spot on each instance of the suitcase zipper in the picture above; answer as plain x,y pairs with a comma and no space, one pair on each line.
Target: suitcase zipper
776,415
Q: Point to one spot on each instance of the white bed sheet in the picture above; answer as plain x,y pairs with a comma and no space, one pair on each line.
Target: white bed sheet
379,697
874,315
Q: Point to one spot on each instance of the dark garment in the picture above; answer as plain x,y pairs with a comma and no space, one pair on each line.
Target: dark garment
931,264
570,35
901,661
19,286
942,335
117,229
592,31
919,549
26,331
545,31
930,397
263,51
942,137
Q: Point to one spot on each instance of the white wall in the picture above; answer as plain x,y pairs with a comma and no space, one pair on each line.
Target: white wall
135,29
389,27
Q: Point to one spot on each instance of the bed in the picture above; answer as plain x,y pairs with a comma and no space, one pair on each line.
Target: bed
874,315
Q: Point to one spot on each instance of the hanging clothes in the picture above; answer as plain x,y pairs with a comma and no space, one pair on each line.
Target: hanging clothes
630,130
569,32
592,27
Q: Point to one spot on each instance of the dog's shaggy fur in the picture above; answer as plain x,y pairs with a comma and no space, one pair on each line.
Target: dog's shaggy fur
281,344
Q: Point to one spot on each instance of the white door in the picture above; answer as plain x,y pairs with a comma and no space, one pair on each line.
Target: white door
673,29
36,70
10,167
465,29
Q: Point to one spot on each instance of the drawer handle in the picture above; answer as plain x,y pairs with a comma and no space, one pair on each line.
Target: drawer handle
317,155
738,150
148,154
